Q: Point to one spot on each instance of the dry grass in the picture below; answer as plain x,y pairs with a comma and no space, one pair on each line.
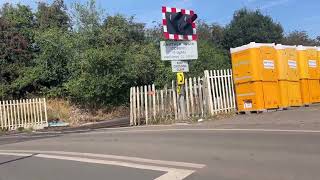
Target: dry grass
59,110
63,110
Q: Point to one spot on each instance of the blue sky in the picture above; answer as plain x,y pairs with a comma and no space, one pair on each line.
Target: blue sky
292,14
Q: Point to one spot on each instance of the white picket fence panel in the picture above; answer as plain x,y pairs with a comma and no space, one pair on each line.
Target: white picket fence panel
204,96
221,92
26,113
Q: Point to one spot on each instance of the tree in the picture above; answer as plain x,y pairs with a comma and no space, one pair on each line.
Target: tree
86,17
299,38
17,48
213,33
251,26
210,57
53,16
118,29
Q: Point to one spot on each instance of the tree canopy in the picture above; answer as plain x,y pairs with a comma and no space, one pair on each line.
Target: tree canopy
251,26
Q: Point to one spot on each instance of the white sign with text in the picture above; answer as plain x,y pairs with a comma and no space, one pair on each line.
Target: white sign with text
178,50
180,66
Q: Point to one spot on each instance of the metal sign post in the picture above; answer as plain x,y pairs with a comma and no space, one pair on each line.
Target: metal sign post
179,25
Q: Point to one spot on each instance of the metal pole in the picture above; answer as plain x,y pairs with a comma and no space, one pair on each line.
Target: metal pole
182,103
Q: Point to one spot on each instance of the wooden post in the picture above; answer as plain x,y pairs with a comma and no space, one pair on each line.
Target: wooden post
141,105
223,84
208,95
196,96
162,105
131,111
13,106
146,104
171,104
11,114
17,104
154,101
191,97
24,113
134,106
200,97
150,102
1,116
40,111
138,105
27,112
34,112
187,97
21,112
166,102
45,111
229,104
233,91
174,100
216,91
7,114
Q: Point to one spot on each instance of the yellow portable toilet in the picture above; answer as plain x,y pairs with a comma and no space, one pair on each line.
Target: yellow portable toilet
309,74
288,76
255,77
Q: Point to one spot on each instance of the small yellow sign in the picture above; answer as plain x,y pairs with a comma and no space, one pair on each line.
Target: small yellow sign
180,78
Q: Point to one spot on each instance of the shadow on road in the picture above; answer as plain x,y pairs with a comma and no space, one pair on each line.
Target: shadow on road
17,159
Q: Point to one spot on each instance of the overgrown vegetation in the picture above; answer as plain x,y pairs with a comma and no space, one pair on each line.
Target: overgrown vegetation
80,55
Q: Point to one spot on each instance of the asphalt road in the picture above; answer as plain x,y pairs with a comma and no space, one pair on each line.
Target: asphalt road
185,152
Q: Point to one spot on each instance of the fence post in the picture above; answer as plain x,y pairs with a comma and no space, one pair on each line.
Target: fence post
208,95
149,102
229,92
40,111
200,97
7,114
134,107
191,97
142,103
13,106
162,104
165,101
131,110
174,100
34,111
11,113
187,97
223,78
154,101
1,115
45,111
18,113
138,104
182,104
146,104
234,99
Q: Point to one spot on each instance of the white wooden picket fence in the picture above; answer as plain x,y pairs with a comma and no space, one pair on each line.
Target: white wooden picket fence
26,113
205,96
